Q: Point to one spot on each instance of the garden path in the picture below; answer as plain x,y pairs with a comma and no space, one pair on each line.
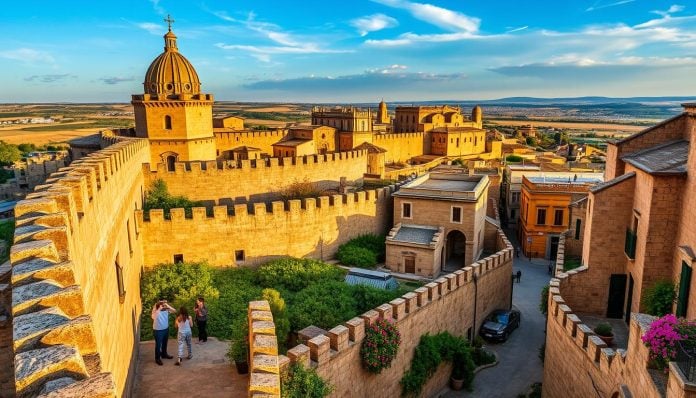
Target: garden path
208,374
519,366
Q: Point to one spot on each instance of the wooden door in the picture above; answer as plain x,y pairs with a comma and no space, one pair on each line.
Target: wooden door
410,265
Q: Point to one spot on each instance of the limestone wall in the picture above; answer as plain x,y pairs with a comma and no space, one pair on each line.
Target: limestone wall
75,334
401,146
313,227
579,364
445,304
264,377
225,141
259,179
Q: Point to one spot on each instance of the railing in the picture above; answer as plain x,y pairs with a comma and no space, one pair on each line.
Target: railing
686,360
630,245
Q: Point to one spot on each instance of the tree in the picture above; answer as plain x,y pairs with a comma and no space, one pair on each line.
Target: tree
9,153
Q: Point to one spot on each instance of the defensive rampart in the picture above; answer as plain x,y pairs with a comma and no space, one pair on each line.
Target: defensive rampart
74,277
445,304
263,140
312,227
255,180
579,364
401,146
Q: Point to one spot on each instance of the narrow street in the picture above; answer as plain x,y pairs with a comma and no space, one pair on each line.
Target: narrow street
519,365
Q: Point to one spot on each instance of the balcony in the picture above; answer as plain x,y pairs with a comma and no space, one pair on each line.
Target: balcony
630,244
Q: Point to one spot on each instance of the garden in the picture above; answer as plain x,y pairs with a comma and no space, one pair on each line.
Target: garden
364,251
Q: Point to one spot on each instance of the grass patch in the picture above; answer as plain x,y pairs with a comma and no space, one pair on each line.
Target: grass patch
571,263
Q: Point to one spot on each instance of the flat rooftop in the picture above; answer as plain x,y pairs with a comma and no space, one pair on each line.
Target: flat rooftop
564,180
445,186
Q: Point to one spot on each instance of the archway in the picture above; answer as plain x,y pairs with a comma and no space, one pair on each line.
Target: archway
171,159
455,253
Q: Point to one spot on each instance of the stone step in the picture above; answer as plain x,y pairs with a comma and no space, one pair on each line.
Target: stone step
265,363
40,269
33,368
266,383
35,249
98,386
47,293
51,326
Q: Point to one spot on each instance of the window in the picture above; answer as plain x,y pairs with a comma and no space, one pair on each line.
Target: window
577,229
128,232
171,159
541,217
457,142
167,122
119,281
239,256
178,258
475,141
406,210
456,214
514,197
558,217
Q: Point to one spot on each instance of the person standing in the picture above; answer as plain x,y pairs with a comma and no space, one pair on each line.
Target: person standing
184,324
201,320
519,275
160,327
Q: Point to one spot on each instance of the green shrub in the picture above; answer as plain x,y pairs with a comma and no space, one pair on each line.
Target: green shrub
430,352
356,256
544,302
158,197
7,234
482,357
179,283
603,329
295,274
514,158
365,251
301,382
238,350
323,304
280,317
380,346
658,298
570,263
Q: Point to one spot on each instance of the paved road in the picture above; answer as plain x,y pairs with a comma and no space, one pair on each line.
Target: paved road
519,365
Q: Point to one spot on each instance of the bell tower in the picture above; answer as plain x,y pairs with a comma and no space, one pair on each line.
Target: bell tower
173,113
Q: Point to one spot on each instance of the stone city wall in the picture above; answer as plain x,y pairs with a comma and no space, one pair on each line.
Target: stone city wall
417,169
312,227
443,305
254,180
401,146
264,371
264,140
579,364
74,333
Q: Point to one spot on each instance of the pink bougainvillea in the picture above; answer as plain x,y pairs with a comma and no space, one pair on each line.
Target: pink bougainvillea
664,334
380,346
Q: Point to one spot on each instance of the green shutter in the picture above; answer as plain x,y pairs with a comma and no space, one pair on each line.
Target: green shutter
684,285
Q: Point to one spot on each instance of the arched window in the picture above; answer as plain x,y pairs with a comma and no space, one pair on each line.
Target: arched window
171,159
167,122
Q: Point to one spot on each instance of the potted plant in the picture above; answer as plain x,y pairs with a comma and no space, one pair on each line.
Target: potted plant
238,351
457,377
605,333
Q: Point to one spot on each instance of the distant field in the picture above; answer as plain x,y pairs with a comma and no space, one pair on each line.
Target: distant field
15,136
588,127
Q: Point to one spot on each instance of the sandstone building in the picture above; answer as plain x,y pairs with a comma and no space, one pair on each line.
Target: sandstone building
639,229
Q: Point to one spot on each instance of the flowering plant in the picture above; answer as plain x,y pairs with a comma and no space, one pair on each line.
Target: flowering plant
664,334
380,346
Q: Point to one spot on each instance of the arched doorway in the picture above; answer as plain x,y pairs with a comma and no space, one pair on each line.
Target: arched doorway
455,253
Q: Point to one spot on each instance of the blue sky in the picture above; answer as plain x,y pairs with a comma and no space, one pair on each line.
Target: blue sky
352,50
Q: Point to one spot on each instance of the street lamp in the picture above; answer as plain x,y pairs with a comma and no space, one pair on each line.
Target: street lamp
473,327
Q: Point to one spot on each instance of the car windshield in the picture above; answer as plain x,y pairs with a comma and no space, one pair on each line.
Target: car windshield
501,318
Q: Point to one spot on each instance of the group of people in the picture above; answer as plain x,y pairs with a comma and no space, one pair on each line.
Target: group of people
184,325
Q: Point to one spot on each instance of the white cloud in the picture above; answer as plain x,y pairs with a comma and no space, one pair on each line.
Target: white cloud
153,28
599,4
158,9
49,78
373,23
441,17
28,56
674,8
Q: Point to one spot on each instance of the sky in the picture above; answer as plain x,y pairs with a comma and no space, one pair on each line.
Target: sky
352,50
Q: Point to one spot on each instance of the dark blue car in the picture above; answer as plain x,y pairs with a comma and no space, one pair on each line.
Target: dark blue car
499,324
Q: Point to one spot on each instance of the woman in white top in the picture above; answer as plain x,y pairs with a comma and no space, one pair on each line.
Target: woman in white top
183,323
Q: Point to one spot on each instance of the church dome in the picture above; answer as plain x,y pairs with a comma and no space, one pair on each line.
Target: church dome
171,73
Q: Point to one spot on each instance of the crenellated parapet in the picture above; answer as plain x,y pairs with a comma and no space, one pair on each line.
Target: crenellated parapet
264,372
55,346
443,304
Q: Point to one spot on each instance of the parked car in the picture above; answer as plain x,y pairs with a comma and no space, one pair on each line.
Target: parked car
499,324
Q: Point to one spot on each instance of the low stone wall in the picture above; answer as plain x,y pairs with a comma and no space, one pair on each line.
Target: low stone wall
264,378
443,305
579,364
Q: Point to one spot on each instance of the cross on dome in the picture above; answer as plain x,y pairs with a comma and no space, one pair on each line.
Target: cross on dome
169,21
